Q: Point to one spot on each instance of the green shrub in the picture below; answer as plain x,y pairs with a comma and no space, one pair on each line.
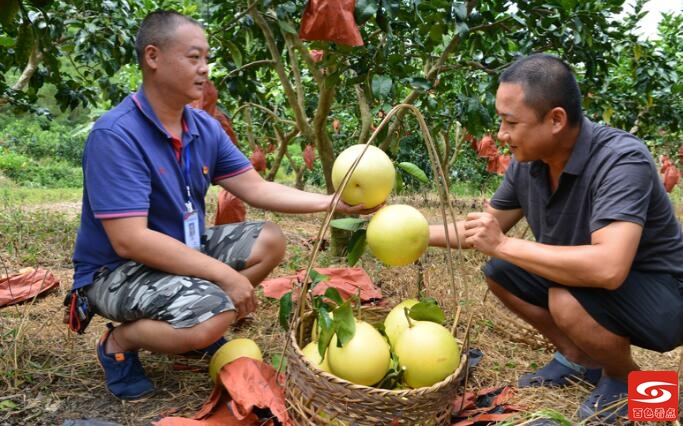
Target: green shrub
40,138
26,171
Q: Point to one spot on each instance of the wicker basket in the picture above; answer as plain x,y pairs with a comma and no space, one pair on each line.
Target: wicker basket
315,397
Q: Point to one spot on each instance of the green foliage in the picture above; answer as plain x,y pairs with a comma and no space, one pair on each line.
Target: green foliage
48,174
80,45
643,91
41,153
470,172
42,139
426,310
442,56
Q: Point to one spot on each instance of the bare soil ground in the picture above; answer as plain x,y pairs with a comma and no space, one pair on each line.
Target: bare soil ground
49,376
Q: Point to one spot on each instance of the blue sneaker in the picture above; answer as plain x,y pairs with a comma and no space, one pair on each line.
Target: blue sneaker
123,373
206,352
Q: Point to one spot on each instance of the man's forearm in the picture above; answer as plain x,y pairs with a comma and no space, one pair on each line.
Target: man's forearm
577,266
455,239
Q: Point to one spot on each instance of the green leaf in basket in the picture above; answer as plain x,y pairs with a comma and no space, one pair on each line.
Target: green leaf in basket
427,311
344,323
325,329
394,377
356,247
279,362
334,295
285,310
317,278
348,223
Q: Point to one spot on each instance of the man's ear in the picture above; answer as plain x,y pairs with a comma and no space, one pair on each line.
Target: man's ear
151,56
559,119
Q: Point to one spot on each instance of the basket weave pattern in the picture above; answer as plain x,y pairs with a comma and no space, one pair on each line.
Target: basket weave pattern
315,397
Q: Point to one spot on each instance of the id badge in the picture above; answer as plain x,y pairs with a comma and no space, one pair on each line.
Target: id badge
191,227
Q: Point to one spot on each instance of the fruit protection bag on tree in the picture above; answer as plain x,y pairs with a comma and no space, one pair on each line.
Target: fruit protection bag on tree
670,173
330,20
230,209
209,103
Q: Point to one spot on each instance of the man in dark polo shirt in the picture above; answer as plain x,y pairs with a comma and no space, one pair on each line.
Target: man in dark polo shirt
606,268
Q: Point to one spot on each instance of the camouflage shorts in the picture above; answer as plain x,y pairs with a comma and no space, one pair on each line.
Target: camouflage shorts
134,291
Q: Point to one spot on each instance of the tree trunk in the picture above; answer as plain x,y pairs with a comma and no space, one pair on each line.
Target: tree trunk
29,70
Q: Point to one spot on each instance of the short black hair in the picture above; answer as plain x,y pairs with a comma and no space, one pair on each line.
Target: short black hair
547,82
158,28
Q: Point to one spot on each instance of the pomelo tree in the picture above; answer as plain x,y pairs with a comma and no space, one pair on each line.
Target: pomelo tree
298,100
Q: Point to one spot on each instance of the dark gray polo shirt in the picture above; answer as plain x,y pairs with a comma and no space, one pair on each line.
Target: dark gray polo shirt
610,176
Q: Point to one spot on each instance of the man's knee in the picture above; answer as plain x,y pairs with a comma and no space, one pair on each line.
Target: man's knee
564,308
273,239
207,332
495,287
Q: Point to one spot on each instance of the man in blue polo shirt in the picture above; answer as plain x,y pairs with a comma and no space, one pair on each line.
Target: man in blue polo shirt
605,270
143,256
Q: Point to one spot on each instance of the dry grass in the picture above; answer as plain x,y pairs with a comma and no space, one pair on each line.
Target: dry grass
48,375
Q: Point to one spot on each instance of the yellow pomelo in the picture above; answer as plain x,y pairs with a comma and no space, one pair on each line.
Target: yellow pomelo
232,350
427,352
364,359
398,234
396,322
311,353
371,181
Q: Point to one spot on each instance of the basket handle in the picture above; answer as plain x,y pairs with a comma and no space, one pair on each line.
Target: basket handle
446,209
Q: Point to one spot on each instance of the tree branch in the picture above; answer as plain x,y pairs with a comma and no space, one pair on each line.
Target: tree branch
299,113
246,66
306,55
30,69
431,75
294,66
365,116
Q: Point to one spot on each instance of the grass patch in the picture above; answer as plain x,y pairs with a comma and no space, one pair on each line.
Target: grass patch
48,375
14,195
37,236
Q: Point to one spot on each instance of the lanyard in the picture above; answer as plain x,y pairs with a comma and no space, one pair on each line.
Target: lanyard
190,218
186,160
185,157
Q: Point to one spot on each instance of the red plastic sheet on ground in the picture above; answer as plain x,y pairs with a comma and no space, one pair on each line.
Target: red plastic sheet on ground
25,285
330,20
348,281
245,387
489,405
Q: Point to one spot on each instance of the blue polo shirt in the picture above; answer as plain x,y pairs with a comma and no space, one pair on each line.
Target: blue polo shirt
610,176
132,166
